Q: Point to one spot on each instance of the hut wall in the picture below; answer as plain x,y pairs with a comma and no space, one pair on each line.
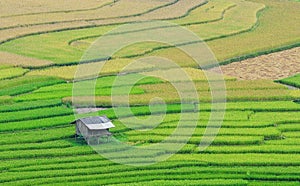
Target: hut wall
82,129
96,132
77,129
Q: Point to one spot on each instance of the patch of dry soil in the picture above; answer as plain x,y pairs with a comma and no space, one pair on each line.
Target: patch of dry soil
271,66
18,60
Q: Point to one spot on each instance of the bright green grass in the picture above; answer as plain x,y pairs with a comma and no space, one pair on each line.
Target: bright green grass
149,87
267,131
293,134
53,121
281,117
108,68
4,67
144,175
242,159
220,159
170,119
35,146
6,73
52,46
104,87
36,136
68,151
68,163
42,95
287,141
238,106
163,181
29,105
11,83
37,113
219,140
6,100
92,174
171,96
108,82
94,165
289,127
253,149
26,84
230,85
293,81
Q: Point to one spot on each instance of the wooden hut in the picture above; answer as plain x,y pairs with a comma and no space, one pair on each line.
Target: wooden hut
92,129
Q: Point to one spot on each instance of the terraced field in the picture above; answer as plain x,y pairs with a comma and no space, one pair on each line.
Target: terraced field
11,72
64,53
293,81
42,43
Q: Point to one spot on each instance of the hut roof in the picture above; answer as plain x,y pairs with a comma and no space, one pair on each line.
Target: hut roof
96,122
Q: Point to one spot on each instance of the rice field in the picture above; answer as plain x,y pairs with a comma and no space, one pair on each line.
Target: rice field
293,80
240,152
206,28
41,43
26,84
44,6
277,37
137,13
229,33
7,72
104,10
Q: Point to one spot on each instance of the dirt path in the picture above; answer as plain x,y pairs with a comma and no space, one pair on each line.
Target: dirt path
272,66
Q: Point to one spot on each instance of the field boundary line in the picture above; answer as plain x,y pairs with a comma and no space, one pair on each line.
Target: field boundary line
61,11
156,48
183,24
95,25
92,19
